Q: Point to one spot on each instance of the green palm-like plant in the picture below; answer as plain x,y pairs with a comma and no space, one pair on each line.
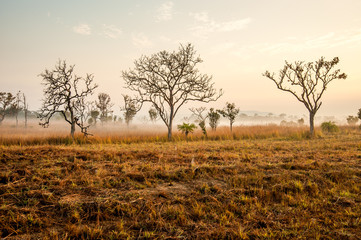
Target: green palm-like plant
187,128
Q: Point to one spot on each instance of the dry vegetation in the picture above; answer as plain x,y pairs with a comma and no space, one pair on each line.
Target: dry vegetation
258,183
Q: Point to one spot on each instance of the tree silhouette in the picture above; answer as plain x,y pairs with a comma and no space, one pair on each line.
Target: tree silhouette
104,105
26,110
131,107
17,106
213,117
6,103
352,120
64,93
201,118
230,112
307,82
153,114
169,80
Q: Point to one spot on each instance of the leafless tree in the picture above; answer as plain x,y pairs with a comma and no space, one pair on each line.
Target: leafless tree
6,103
307,82
168,80
83,114
26,110
230,112
131,107
92,112
201,118
64,93
105,106
17,106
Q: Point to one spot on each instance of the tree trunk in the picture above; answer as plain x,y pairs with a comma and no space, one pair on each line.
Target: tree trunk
26,107
72,130
312,127
26,117
72,120
170,123
230,125
170,131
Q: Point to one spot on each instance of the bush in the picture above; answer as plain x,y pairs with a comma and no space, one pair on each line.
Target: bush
329,127
352,120
187,128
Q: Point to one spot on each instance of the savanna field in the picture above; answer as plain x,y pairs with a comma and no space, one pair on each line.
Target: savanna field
261,182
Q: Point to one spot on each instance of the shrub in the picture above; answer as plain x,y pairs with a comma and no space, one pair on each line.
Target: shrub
352,120
329,127
187,128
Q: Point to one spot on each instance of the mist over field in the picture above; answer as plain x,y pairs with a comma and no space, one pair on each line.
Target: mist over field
143,126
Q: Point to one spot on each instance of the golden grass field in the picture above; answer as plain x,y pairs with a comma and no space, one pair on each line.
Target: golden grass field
261,182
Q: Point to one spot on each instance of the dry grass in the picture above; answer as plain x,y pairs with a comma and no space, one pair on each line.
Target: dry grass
259,183
58,134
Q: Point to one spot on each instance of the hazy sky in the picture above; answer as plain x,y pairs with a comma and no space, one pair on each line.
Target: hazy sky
238,41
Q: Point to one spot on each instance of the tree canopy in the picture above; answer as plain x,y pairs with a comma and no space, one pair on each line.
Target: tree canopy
168,80
64,93
307,82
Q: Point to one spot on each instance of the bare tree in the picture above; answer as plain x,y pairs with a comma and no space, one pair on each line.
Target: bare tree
105,106
83,114
213,117
65,93
230,112
93,113
26,110
6,103
17,106
169,80
131,107
307,82
201,118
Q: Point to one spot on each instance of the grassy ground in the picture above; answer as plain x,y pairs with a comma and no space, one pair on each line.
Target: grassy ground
269,187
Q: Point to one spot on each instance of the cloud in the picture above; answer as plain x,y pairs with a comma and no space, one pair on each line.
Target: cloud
165,12
204,25
233,25
140,40
111,31
200,16
347,38
83,29
326,41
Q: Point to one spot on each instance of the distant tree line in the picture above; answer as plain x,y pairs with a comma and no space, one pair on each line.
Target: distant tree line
14,105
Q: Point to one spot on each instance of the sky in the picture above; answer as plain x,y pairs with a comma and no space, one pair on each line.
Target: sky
237,40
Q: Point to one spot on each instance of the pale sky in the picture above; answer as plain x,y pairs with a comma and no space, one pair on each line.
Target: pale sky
238,41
